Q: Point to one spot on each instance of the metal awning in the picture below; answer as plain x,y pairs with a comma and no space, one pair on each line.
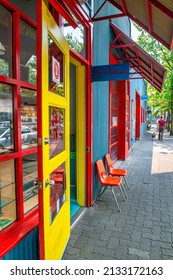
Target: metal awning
141,63
154,16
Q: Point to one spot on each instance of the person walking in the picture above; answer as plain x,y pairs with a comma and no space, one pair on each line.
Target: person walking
161,127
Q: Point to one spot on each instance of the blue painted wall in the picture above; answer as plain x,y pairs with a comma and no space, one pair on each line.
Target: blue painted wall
102,36
27,249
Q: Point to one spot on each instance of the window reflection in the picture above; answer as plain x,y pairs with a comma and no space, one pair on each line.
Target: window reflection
28,118
56,69
7,194
75,37
30,183
6,119
27,53
57,193
56,117
6,41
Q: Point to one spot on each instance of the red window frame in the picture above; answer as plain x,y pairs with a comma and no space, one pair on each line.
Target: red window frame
24,223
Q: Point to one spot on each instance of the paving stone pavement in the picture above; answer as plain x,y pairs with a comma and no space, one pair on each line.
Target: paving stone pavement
143,230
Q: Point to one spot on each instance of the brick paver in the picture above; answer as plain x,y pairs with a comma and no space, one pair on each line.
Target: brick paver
144,227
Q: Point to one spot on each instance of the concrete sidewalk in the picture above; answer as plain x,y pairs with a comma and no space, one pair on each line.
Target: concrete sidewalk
144,227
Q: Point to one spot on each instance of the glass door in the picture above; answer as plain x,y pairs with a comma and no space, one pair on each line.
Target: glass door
54,140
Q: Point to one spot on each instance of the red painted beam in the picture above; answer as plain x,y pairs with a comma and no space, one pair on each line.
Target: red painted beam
162,8
63,12
108,17
149,15
123,3
99,10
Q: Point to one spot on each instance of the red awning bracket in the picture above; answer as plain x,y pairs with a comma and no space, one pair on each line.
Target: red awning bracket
141,63
154,16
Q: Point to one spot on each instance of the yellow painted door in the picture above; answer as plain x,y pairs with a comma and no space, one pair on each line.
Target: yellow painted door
55,216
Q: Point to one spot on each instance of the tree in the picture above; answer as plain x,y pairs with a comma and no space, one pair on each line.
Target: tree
161,103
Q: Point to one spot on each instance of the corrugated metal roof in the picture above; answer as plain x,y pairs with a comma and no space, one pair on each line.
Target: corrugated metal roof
154,16
141,63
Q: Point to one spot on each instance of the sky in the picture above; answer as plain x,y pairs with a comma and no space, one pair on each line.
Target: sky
135,32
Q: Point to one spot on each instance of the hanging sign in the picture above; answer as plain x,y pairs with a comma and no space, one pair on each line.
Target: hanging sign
144,97
112,72
55,70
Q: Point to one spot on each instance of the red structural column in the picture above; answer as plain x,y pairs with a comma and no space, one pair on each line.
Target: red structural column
138,115
122,120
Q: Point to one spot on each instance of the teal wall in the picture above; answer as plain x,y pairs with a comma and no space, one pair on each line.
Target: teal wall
27,249
102,36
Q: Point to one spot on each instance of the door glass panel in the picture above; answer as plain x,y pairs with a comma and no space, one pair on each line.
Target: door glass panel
28,118
5,42
57,191
57,142
56,68
6,119
27,53
30,183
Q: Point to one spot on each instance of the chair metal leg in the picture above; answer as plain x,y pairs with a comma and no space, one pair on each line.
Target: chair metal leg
102,191
124,189
127,186
115,199
121,187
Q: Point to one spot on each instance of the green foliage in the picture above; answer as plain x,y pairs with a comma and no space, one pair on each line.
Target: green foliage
4,68
74,43
161,103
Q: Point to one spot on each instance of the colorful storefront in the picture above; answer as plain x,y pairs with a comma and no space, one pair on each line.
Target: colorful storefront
53,119
45,125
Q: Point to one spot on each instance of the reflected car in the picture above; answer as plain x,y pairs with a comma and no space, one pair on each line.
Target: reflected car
5,124
28,136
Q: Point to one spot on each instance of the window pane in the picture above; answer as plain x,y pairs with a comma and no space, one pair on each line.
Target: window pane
114,152
5,42
30,182
56,69
27,53
75,37
6,119
114,117
57,143
28,118
57,193
7,194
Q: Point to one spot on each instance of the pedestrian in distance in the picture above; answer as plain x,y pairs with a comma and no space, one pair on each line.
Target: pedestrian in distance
161,127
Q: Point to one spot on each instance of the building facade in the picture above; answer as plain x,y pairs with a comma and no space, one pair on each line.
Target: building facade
55,122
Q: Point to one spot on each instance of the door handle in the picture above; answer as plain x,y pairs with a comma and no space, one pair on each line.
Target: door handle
50,182
35,182
46,141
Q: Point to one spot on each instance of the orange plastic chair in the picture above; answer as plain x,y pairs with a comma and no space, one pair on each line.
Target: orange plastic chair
108,181
116,172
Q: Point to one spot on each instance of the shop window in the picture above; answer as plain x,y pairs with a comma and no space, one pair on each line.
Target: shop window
56,69
57,192
7,194
87,6
57,143
30,182
6,119
28,118
114,152
5,42
27,53
76,38
113,121
28,7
